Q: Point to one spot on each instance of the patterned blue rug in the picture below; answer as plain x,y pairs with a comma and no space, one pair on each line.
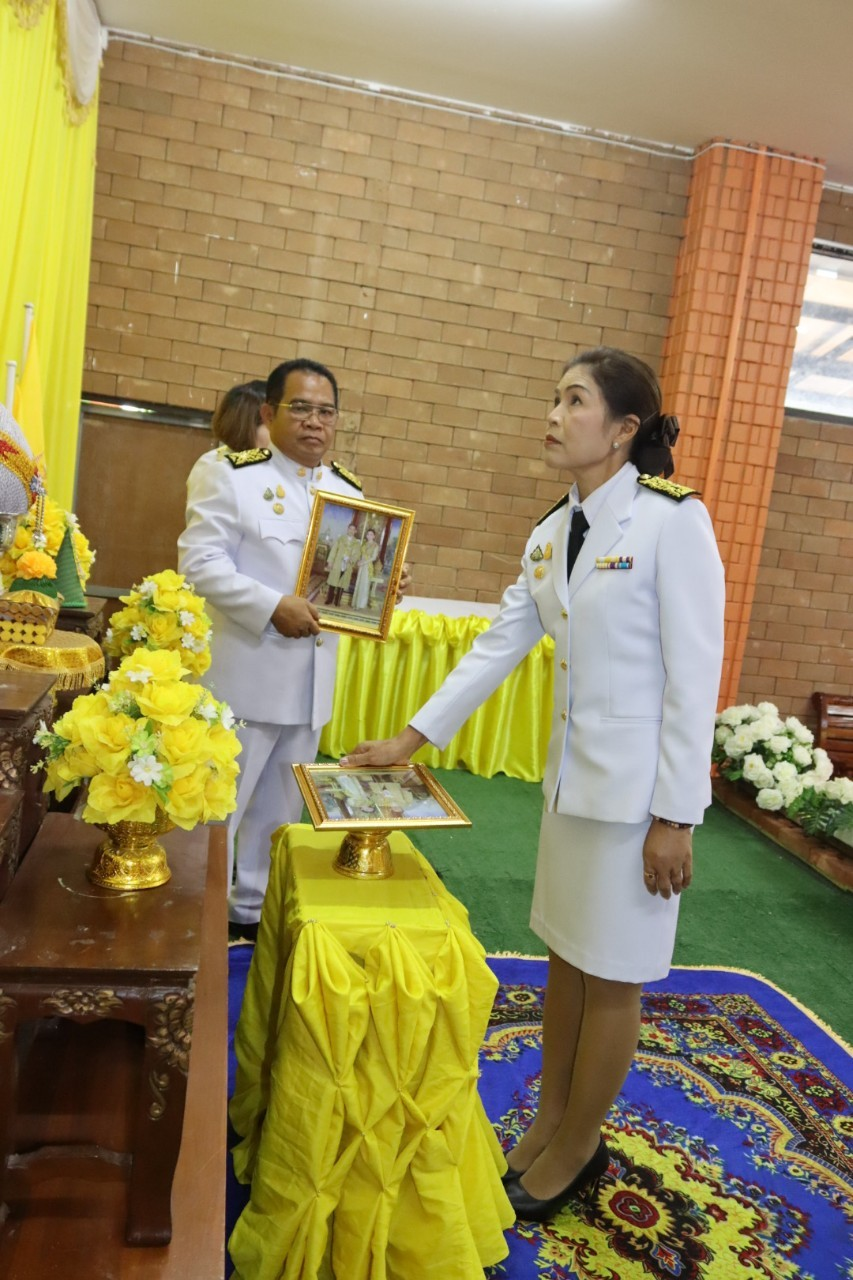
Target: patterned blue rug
732,1142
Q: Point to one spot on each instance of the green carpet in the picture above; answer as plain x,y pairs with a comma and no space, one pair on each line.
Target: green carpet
752,906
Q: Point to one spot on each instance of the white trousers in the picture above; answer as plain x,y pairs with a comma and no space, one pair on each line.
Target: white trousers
267,796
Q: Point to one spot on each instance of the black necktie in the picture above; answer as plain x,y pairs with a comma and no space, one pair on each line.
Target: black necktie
580,524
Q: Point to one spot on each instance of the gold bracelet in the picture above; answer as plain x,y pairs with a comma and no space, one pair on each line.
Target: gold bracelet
678,826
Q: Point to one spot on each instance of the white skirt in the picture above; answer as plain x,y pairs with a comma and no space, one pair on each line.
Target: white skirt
590,905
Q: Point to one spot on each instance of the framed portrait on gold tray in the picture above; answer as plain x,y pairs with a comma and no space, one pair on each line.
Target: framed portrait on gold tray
386,799
352,563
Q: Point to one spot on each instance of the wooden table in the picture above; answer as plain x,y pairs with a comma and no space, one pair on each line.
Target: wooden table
71,956
25,699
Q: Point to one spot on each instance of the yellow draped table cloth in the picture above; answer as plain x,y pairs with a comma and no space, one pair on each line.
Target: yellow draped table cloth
362,1133
379,687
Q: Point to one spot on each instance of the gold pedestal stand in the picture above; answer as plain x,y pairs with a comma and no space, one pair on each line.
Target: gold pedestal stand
365,855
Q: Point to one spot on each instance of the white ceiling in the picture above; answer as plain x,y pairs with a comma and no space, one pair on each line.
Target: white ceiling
676,71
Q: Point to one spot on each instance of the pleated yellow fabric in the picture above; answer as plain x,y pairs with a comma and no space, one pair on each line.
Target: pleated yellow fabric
363,1134
46,196
379,687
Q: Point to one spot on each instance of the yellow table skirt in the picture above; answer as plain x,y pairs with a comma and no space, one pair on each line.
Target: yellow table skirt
363,1135
379,687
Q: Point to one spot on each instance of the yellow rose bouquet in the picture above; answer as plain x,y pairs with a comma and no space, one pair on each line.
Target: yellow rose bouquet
148,741
162,612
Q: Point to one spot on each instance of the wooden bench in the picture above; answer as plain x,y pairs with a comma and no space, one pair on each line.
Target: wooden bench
834,730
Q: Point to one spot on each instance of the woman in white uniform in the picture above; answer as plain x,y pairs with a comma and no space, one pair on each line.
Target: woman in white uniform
624,573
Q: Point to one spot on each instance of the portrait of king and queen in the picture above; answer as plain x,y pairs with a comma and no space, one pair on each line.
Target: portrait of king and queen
352,561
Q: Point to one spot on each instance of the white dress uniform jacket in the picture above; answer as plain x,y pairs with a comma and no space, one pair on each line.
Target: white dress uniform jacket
242,549
637,658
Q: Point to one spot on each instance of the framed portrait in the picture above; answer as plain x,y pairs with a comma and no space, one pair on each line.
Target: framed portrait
352,563
387,799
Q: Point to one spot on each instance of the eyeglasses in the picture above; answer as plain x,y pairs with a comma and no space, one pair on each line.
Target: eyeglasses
327,414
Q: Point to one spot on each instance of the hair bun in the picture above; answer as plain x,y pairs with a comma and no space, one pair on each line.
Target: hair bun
668,429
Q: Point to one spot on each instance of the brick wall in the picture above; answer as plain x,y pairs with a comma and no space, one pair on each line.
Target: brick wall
444,265
799,637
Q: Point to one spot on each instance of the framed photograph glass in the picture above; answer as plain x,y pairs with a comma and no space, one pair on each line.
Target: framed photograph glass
352,563
387,799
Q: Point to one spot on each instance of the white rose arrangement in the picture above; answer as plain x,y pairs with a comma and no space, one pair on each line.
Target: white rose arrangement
779,759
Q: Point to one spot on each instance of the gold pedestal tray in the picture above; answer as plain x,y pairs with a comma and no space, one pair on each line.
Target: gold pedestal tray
365,855
131,857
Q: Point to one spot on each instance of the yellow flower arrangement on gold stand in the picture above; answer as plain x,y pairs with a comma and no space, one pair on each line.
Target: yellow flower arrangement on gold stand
162,612
153,749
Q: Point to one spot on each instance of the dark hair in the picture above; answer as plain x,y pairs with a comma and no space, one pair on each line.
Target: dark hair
237,417
629,386
278,378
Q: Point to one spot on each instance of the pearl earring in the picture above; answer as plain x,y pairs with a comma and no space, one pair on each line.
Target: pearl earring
615,444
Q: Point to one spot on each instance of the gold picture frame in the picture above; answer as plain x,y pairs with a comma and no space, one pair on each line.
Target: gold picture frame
388,799
352,563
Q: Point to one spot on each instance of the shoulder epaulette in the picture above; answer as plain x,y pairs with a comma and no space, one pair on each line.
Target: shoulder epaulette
551,510
246,457
667,487
347,475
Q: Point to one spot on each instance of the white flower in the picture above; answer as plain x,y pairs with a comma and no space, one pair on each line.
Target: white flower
822,765
799,731
840,789
227,717
146,769
734,749
207,711
756,771
802,755
141,675
784,770
790,789
187,642
734,716
765,727
769,798
721,733
778,745
148,589
109,634
138,632
187,618
767,709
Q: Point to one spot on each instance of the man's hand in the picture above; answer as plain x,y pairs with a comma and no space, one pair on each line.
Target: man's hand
667,859
294,617
385,751
404,586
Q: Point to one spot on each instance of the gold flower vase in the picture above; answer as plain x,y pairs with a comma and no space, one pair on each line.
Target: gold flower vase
132,857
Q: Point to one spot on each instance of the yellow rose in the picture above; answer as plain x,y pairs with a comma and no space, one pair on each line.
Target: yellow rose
185,805
119,799
224,745
220,798
53,781
156,664
163,629
167,580
191,603
23,538
169,600
167,703
185,745
107,738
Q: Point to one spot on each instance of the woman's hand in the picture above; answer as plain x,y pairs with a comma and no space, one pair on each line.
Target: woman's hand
667,859
385,751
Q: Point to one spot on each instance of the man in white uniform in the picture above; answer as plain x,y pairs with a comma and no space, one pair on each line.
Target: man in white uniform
247,521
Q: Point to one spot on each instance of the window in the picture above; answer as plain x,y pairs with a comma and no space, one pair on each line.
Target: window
821,381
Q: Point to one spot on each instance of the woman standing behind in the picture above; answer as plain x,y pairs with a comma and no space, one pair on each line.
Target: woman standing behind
625,575
236,421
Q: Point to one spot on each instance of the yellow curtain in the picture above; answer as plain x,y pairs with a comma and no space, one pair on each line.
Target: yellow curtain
379,687
47,167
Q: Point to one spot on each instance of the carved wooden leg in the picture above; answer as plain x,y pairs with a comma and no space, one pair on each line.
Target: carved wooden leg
159,1117
8,1089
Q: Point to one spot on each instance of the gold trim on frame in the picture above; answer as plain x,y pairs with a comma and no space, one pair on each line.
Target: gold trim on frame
347,620
307,776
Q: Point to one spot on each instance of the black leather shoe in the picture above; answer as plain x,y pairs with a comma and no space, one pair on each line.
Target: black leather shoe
512,1175
242,932
532,1210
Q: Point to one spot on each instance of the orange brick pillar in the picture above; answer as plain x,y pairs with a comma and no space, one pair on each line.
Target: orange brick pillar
738,290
